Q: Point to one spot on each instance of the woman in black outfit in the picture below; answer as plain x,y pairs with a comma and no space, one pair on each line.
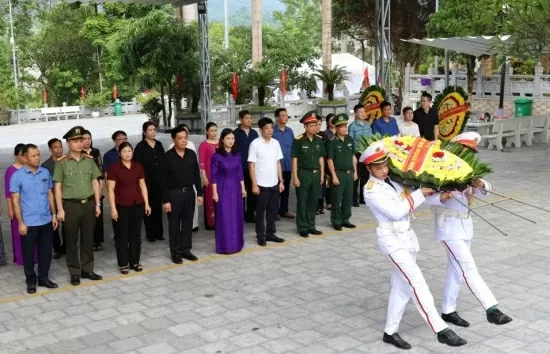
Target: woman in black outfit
96,155
149,152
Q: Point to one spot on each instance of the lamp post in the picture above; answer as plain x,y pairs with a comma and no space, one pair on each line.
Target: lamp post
15,81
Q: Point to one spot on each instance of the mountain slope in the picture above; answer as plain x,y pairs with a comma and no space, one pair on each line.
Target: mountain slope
239,11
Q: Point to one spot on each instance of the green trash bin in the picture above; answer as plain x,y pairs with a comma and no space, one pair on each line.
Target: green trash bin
523,107
118,108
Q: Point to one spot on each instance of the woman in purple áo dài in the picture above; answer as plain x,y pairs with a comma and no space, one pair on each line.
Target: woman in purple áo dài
15,237
228,191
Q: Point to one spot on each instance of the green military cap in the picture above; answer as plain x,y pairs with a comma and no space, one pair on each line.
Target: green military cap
74,133
309,117
340,119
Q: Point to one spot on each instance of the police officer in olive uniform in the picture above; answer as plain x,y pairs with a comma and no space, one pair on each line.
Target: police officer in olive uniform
342,165
308,173
77,197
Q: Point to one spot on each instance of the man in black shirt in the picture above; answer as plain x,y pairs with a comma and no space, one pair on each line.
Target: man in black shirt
427,119
180,174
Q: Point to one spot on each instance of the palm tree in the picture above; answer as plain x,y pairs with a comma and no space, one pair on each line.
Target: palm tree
332,77
261,77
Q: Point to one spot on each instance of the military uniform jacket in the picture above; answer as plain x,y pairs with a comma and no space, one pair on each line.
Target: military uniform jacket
76,176
341,152
452,219
391,208
308,152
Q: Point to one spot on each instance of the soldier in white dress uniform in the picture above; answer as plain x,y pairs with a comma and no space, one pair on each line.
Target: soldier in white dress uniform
454,228
396,240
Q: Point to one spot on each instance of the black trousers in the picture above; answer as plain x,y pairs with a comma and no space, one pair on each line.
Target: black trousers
58,239
283,207
128,236
250,201
98,228
41,235
267,205
153,223
79,234
358,185
180,221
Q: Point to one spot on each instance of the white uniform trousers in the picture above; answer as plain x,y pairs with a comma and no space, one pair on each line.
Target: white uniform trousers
462,267
407,281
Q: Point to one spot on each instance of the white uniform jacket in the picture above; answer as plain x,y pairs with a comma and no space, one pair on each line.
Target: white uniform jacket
391,208
452,219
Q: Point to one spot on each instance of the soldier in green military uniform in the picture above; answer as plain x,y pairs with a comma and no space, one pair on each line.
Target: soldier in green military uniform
308,174
342,165
77,196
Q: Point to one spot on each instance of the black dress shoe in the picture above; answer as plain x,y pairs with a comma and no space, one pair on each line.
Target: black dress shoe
57,255
47,284
447,336
338,228
455,319
176,259
315,232
304,234
275,239
75,280
356,205
31,288
152,240
91,276
498,318
161,238
396,340
262,243
349,225
189,256
196,229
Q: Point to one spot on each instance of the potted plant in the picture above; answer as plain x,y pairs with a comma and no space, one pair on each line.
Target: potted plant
151,105
5,116
261,77
331,78
95,102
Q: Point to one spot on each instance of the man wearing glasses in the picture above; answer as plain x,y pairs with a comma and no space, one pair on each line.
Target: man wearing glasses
112,155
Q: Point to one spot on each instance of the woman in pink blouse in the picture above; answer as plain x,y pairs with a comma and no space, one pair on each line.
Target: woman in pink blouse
206,150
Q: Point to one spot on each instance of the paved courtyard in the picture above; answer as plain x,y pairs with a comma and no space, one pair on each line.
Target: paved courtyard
325,294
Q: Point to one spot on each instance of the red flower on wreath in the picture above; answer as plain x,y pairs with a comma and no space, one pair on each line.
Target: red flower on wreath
397,142
438,154
408,148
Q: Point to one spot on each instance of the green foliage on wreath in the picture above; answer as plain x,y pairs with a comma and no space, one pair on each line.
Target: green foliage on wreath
370,89
448,90
409,178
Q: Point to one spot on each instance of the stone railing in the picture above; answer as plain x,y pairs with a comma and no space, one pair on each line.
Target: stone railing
484,86
35,115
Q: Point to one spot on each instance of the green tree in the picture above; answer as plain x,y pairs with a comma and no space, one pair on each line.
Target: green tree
479,18
155,49
527,23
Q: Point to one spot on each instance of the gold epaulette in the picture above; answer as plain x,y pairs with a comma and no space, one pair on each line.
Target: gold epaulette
299,136
370,184
61,158
319,136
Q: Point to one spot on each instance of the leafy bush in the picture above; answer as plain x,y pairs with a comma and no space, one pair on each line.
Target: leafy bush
96,101
152,108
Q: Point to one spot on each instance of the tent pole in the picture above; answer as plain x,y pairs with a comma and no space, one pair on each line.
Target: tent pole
502,82
446,67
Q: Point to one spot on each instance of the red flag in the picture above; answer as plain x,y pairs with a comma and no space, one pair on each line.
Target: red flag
178,81
366,82
283,83
82,92
115,92
235,86
44,96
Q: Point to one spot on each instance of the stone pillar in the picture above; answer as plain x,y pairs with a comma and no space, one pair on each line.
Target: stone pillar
408,72
326,33
488,66
189,13
537,80
431,70
545,61
479,81
257,9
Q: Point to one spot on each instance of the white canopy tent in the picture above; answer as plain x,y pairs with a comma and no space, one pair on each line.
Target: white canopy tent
477,46
174,3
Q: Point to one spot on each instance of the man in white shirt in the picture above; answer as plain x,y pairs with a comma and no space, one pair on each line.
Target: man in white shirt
406,126
264,164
